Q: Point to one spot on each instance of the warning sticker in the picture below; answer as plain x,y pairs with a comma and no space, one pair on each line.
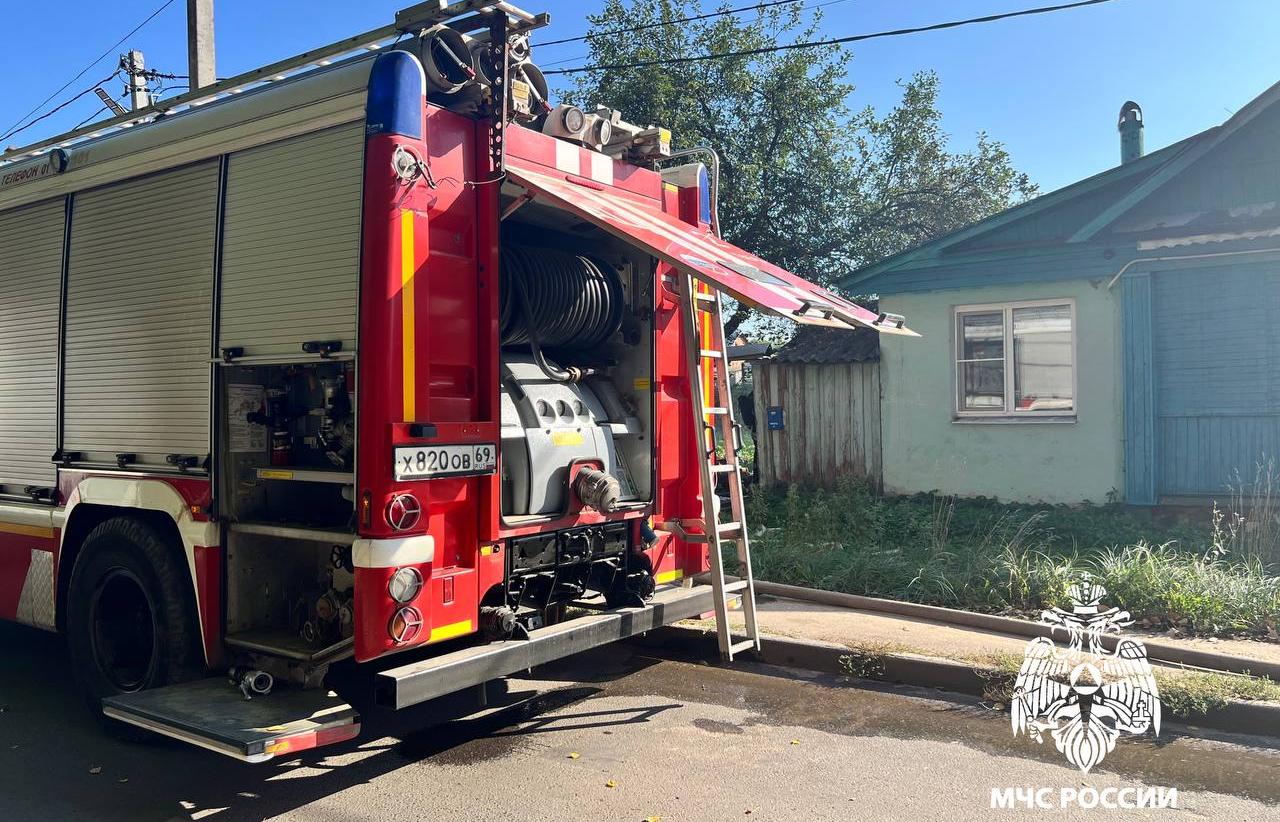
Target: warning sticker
243,400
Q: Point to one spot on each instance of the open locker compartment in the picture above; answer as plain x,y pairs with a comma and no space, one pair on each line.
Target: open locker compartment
576,390
695,251
286,484
286,446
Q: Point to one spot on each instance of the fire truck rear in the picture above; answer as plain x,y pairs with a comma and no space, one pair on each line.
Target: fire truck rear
374,351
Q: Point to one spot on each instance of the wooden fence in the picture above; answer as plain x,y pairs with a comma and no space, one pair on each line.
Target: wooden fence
831,422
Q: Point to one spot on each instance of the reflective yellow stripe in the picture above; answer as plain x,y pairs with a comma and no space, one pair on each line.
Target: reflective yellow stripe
669,576
281,475
407,262
450,631
566,438
25,530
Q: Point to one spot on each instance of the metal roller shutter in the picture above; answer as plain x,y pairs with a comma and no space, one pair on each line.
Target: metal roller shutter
30,287
139,313
291,243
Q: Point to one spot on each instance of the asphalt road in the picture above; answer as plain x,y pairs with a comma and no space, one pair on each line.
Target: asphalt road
614,734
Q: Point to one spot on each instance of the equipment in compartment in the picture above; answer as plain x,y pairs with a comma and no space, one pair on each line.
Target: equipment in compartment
289,443
576,369
336,437
560,301
288,595
550,570
287,479
597,489
547,426
324,615
573,355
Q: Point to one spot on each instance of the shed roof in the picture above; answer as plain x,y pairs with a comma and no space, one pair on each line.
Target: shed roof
749,351
816,345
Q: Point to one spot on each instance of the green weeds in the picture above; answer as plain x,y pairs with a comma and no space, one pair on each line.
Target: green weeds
982,555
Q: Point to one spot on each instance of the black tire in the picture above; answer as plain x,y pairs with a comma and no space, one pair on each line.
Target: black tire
131,622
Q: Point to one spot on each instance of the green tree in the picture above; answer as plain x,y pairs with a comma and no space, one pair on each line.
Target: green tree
808,183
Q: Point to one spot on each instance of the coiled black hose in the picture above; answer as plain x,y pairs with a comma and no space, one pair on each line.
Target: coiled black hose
553,299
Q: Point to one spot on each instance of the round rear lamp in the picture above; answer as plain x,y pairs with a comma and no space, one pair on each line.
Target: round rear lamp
405,625
404,585
403,512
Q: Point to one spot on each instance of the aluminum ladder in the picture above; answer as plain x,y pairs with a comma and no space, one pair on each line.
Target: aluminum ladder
713,419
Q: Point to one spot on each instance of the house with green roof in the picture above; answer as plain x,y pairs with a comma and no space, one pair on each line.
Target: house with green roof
1117,339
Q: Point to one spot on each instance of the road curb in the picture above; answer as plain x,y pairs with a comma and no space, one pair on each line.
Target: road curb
1156,650
1237,716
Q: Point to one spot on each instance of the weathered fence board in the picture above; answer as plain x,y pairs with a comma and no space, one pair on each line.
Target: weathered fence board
832,422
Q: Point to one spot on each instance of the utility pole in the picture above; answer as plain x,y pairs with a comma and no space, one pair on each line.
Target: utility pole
200,53
139,94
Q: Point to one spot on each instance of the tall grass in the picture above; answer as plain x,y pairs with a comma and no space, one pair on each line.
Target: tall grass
979,555
1206,594
1250,529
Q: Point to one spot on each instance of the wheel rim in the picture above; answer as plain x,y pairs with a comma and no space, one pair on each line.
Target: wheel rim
123,630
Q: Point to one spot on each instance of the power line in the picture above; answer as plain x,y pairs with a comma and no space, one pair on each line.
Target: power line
58,107
86,69
854,38
156,94
672,23
93,116
661,23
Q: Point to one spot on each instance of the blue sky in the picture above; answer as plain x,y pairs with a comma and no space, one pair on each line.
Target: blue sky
1049,87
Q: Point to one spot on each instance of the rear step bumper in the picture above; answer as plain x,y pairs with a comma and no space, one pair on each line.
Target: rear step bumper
441,675
213,714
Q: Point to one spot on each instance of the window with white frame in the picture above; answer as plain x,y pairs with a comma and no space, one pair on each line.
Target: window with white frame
1015,359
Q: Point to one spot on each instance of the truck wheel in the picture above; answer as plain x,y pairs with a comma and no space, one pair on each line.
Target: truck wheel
130,620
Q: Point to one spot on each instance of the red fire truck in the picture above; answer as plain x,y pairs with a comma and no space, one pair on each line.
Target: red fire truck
372,351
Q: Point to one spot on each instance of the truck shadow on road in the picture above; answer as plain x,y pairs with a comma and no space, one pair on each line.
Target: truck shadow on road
56,762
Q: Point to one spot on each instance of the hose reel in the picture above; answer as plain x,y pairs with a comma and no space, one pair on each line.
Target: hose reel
458,71
446,60
557,300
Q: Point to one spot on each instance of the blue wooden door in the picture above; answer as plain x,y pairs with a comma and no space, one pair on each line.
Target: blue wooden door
1216,360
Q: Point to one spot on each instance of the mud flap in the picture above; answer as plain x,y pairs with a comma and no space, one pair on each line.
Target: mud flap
213,714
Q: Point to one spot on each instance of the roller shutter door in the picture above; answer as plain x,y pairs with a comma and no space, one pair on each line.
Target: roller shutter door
291,243
30,287
139,315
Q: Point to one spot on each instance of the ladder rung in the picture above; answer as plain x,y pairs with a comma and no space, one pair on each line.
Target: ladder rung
724,468
736,585
705,298
744,645
711,354
728,527
715,409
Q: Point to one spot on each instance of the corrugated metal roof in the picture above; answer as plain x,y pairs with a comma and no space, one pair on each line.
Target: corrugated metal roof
817,345
1133,182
